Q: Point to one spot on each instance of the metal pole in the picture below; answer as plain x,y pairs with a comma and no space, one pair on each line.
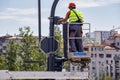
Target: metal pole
50,66
39,19
52,18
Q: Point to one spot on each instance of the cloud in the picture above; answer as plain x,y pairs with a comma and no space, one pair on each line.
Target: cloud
28,21
17,11
21,16
6,17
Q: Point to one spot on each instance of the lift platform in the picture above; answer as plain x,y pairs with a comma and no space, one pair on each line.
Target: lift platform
80,57
77,58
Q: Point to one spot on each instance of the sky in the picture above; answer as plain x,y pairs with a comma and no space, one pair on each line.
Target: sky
14,14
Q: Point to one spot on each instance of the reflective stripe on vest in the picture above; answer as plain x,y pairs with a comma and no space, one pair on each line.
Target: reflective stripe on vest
73,17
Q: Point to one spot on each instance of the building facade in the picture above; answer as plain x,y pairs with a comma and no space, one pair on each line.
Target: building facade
104,58
3,43
101,36
4,40
117,66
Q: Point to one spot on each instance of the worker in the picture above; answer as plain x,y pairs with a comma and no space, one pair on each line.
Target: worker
75,30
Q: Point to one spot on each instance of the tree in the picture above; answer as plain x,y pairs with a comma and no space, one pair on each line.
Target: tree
25,53
30,51
105,77
3,64
59,52
108,78
12,52
96,78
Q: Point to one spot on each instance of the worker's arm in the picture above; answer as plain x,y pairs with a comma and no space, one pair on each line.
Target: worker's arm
64,19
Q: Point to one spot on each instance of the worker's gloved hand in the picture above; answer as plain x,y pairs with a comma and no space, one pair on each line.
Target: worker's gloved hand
60,21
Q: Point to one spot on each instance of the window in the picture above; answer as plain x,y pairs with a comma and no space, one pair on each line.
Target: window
78,68
88,67
4,47
0,44
102,49
99,62
111,67
111,61
0,50
118,44
91,49
73,68
99,49
3,41
86,49
117,74
95,55
108,55
93,68
106,61
116,62
111,74
95,49
93,62
101,55
91,54
107,67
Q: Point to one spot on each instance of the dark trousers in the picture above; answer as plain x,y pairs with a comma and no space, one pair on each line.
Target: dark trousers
75,30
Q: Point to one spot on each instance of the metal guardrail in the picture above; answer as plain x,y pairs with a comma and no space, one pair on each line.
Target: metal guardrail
4,74
89,25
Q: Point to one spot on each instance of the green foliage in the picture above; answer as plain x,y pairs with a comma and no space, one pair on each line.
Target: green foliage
27,49
59,52
3,64
105,77
108,78
19,52
58,37
12,52
30,50
96,78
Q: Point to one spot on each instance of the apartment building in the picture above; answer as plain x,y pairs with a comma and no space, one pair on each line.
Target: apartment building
101,36
3,43
4,40
117,66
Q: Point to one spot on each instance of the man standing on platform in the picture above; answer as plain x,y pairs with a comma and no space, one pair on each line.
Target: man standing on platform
75,27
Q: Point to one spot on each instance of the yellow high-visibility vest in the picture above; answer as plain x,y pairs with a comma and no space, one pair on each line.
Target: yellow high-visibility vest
73,17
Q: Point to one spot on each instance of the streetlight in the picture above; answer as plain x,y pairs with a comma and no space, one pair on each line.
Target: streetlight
39,19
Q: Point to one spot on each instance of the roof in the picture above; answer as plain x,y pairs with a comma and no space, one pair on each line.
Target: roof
93,45
15,38
4,37
109,48
115,35
98,45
